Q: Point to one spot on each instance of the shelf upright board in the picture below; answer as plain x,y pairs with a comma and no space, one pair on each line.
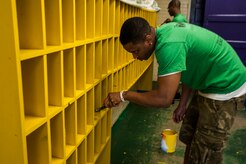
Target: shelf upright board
12,139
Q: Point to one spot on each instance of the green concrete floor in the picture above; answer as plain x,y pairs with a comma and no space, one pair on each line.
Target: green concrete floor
136,137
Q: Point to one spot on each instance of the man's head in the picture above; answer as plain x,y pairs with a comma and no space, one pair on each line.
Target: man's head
174,7
137,37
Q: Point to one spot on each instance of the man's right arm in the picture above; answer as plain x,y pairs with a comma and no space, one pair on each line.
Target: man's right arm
179,112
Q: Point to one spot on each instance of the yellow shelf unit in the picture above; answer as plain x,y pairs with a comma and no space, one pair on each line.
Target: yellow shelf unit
60,59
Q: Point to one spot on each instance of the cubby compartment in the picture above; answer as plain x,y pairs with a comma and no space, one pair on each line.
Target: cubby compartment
57,137
82,153
121,55
33,92
109,123
124,79
80,69
90,63
122,13
112,16
30,24
68,21
117,18
90,18
98,102
98,60
68,71
110,83
116,53
54,71
110,54
104,129
81,118
98,17
90,147
37,146
70,129
120,80
104,91
104,57
116,82
90,108
105,18
80,11
128,75
53,22
97,139
72,159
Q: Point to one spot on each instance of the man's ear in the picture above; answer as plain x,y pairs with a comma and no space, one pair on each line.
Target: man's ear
148,39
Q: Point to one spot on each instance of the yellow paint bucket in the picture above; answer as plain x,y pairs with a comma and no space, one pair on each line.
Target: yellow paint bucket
168,142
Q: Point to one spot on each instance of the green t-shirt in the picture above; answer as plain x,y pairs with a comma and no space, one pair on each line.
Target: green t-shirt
206,61
179,18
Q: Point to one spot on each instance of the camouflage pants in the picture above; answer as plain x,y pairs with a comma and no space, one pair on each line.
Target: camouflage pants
206,126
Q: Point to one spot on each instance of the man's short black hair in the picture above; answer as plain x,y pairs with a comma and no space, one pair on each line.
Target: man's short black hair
134,30
175,3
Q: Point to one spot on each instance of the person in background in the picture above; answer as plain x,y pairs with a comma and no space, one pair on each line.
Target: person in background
174,10
208,68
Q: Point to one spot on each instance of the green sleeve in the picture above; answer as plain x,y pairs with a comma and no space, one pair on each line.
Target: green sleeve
171,58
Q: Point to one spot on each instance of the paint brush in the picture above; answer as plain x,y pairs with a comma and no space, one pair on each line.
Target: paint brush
100,108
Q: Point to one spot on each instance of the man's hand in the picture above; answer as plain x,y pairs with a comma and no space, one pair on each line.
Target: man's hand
112,100
179,114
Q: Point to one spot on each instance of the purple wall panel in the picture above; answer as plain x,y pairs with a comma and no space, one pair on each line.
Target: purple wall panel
228,19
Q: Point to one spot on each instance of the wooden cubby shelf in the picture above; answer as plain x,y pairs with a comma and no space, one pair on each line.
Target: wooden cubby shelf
60,60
